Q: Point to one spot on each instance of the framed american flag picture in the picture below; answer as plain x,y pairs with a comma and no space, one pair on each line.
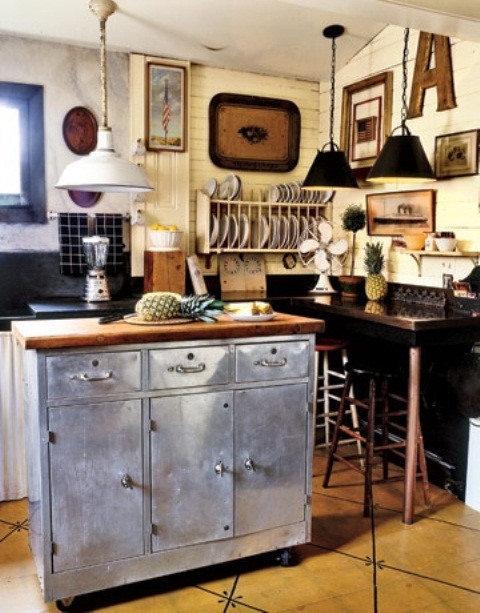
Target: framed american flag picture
166,111
366,121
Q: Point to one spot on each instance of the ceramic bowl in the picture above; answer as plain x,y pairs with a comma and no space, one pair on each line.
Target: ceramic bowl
165,239
446,244
414,242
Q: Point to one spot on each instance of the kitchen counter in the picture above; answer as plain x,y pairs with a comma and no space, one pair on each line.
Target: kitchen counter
57,333
114,403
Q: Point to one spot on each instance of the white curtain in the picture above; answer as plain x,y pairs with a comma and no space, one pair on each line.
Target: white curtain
13,484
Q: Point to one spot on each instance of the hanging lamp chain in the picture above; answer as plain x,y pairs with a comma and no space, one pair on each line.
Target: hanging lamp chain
404,111
332,92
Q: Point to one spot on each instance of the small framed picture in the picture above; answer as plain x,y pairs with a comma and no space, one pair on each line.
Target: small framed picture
400,213
366,121
166,111
456,154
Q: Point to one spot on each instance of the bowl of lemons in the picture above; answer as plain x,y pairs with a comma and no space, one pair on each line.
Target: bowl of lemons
165,237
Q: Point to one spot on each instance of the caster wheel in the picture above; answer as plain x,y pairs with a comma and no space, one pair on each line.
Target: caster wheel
284,557
65,604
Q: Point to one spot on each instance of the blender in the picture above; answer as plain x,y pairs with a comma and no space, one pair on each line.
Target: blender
95,249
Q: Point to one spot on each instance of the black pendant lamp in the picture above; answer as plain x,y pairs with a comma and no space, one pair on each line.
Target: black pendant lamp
402,159
330,169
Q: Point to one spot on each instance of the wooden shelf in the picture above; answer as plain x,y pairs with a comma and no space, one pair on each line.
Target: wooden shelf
419,255
206,208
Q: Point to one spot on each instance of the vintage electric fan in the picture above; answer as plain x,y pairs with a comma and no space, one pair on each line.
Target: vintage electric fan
319,251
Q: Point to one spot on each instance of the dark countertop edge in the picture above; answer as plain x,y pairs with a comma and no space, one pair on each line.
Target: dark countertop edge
452,320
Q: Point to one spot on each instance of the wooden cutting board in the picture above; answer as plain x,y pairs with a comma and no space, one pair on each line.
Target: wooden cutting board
164,271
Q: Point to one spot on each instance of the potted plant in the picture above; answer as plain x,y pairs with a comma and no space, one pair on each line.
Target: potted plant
353,219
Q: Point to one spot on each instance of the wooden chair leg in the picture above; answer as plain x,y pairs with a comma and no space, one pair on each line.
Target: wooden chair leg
336,431
369,449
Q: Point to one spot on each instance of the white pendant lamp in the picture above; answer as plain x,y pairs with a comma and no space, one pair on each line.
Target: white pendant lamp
103,170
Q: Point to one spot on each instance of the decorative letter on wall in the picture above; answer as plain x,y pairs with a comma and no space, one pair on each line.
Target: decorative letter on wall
441,76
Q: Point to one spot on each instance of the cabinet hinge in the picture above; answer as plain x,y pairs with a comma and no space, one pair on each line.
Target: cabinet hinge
308,500
154,530
153,426
53,548
50,437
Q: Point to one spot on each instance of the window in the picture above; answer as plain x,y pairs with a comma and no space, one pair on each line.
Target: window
22,154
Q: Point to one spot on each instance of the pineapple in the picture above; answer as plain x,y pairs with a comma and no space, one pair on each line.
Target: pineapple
161,306
376,287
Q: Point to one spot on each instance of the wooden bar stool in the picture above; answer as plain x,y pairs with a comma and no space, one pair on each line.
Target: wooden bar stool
381,431
330,382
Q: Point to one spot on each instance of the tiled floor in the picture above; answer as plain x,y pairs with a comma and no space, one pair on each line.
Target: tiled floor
432,565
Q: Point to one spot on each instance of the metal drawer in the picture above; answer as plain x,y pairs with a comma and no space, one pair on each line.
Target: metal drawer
93,374
271,361
188,367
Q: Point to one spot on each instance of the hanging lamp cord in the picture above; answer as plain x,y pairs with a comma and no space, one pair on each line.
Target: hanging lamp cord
103,71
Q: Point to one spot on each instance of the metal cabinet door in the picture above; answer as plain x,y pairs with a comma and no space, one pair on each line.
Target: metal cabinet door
270,457
192,469
96,483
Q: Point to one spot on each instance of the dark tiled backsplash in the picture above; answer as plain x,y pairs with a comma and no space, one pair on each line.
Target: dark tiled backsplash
27,276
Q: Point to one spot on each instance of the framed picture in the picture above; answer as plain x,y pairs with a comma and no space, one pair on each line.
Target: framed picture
456,155
400,213
166,108
253,133
366,121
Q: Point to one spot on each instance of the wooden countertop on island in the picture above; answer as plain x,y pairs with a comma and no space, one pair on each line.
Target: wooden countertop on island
63,333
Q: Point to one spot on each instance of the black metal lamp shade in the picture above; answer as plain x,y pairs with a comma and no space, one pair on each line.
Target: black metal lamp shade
402,159
330,170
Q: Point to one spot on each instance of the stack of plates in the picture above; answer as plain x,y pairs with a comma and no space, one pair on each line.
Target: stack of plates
230,188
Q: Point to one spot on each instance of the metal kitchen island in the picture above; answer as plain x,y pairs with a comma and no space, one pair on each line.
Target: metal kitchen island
157,449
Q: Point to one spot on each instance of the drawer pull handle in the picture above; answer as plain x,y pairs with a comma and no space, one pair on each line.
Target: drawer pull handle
127,482
189,369
219,468
86,377
250,464
281,362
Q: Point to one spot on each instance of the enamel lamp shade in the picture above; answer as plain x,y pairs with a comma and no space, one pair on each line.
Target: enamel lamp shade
103,170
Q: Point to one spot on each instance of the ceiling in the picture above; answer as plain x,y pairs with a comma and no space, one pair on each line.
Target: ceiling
275,37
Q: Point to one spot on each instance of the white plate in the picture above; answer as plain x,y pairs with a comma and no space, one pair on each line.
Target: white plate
264,231
244,317
213,230
232,230
244,231
284,232
223,190
210,187
223,231
294,231
273,238
233,186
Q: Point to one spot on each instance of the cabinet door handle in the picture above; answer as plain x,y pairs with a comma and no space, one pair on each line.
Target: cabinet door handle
219,468
189,369
281,362
127,482
86,377
250,464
